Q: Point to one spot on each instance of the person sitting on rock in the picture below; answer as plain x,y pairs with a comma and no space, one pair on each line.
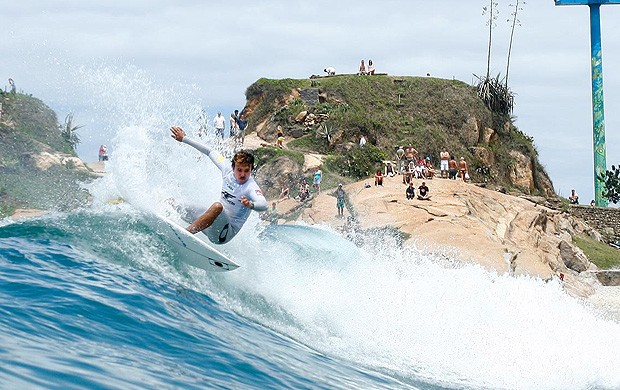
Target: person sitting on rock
389,170
430,171
371,67
423,192
573,198
410,191
378,179
362,70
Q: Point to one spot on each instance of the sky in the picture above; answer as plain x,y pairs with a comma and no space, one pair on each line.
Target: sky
219,48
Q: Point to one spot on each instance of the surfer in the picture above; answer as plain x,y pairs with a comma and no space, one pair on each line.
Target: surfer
240,194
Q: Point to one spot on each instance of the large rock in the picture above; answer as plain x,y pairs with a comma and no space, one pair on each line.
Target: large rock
573,257
488,136
279,173
521,172
484,155
470,132
45,160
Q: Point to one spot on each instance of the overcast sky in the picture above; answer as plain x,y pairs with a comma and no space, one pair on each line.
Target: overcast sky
221,47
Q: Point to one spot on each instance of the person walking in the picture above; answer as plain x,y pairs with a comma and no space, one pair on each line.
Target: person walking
340,200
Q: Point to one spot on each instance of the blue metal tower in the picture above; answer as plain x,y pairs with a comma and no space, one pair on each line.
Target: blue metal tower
598,113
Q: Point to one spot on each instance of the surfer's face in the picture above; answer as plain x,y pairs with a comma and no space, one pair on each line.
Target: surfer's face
242,172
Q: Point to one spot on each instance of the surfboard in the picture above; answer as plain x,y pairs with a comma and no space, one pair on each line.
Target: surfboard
190,248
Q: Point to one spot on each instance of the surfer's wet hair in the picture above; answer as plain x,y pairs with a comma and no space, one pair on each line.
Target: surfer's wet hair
243,157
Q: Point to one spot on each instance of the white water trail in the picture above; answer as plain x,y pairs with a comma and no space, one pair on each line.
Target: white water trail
398,310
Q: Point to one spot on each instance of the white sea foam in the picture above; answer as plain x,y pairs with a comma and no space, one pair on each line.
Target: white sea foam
397,310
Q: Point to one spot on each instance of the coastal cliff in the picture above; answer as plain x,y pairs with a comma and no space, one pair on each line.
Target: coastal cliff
39,168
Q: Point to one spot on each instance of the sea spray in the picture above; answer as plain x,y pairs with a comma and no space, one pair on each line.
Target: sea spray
396,310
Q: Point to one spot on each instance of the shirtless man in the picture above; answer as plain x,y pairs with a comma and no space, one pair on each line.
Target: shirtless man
411,154
463,169
240,194
444,157
452,169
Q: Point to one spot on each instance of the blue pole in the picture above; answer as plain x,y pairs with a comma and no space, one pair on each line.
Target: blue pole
598,113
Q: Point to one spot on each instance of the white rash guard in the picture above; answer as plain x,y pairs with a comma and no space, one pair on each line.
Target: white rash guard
234,212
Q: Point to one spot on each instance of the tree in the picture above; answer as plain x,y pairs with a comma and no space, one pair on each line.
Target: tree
611,179
515,22
69,131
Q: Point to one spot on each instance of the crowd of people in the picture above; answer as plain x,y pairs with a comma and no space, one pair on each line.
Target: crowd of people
408,163
237,126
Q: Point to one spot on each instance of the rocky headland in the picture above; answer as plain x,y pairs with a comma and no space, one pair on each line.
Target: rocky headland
506,219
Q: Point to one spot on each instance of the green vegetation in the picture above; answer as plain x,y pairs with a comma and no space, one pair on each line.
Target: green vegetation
611,180
28,128
427,112
266,155
358,162
601,254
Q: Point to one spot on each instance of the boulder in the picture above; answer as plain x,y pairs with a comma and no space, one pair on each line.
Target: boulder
488,136
280,173
301,116
573,257
470,132
521,172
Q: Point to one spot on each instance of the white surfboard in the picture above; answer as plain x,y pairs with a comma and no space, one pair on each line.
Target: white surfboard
191,248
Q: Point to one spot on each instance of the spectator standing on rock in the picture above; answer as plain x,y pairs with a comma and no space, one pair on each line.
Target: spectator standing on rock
280,138
400,159
234,127
362,141
463,171
452,169
411,154
13,88
219,123
316,182
340,200
444,157
103,153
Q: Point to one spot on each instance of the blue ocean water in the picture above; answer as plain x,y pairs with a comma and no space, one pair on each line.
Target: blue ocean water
82,306
96,299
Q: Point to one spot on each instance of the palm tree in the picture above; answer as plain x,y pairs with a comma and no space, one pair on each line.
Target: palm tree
69,131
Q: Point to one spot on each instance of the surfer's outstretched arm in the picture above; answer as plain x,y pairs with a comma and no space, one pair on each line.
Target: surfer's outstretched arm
218,159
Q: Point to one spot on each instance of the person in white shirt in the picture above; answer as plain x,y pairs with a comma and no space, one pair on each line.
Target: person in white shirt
219,122
371,67
240,194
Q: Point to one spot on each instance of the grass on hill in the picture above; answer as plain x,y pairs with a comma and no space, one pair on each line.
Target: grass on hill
429,113
601,254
